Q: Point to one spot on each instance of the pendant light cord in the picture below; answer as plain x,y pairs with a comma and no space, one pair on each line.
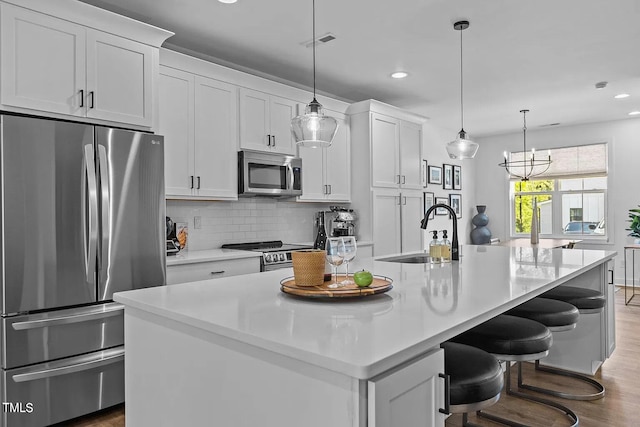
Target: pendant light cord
314,48
461,86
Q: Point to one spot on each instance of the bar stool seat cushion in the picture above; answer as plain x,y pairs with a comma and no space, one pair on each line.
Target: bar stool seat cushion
549,312
583,299
474,375
508,335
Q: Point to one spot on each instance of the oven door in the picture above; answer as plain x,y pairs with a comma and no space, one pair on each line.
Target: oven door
267,174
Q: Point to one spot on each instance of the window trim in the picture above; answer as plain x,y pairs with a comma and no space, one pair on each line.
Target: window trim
557,219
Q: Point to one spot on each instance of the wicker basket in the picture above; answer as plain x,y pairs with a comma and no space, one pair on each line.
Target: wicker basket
308,267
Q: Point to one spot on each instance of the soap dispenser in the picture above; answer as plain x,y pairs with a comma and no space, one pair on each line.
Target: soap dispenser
445,248
434,249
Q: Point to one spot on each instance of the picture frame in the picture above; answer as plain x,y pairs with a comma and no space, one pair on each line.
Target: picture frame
429,200
444,201
425,177
447,177
455,201
435,174
457,177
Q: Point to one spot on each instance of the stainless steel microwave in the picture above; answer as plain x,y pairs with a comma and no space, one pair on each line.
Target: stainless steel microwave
269,174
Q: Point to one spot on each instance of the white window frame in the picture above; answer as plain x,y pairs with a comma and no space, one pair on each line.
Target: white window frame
556,197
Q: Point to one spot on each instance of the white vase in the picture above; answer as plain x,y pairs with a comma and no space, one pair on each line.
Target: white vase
535,237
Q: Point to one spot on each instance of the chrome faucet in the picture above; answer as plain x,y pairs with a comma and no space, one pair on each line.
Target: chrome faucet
454,238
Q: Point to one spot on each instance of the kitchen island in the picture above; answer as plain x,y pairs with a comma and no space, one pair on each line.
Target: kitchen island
238,352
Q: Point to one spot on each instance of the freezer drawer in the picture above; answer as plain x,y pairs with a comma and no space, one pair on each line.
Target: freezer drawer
52,335
56,391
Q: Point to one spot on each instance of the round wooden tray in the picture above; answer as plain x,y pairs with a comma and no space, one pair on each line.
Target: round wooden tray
380,285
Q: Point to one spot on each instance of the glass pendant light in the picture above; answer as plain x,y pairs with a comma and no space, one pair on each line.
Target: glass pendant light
313,128
462,147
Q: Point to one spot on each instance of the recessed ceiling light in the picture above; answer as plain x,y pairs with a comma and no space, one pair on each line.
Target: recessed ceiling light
634,113
399,75
227,1
622,95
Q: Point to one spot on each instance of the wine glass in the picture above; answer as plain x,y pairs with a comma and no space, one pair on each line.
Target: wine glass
348,253
334,248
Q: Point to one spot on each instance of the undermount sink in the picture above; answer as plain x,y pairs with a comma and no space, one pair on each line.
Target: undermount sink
409,259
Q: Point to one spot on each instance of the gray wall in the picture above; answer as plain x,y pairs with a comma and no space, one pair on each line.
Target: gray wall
623,137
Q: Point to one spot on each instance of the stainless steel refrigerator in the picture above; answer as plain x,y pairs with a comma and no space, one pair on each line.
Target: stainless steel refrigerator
83,216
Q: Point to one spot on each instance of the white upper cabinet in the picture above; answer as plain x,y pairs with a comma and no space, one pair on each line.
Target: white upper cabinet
395,152
265,122
326,172
119,74
198,118
52,65
411,176
43,66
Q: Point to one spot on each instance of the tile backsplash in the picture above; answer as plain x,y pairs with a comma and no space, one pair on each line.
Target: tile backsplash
245,220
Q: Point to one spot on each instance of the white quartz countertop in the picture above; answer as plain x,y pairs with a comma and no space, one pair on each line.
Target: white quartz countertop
365,337
190,257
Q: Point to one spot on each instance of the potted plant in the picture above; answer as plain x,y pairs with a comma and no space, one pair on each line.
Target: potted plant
634,219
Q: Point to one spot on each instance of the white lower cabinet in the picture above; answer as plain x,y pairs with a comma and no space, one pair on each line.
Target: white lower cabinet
198,118
396,221
409,396
610,308
193,272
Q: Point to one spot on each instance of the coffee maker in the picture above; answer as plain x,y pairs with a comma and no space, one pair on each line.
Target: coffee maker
339,221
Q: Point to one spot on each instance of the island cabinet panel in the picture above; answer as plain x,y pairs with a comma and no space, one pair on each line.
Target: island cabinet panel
409,396
55,67
198,118
585,348
178,375
265,122
326,172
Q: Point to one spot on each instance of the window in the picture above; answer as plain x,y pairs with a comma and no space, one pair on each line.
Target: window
571,196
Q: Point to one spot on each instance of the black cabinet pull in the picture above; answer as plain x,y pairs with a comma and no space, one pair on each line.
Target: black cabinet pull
611,280
198,183
91,95
447,401
191,177
81,98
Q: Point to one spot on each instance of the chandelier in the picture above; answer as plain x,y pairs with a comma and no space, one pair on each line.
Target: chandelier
313,128
525,168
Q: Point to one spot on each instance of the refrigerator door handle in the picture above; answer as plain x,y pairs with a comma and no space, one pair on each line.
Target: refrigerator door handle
83,365
98,313
105,198
92,189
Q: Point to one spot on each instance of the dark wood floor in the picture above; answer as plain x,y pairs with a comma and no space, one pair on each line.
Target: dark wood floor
620,375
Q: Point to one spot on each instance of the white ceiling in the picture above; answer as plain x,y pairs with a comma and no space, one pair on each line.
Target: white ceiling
543,55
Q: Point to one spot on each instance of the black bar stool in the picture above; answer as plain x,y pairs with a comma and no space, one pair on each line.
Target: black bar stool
587,301
514,339
474,377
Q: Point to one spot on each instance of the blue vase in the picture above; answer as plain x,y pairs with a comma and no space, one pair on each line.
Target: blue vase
481,234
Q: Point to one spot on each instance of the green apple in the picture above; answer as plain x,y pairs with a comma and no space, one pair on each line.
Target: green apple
363,278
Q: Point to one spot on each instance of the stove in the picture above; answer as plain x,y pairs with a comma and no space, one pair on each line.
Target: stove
275,254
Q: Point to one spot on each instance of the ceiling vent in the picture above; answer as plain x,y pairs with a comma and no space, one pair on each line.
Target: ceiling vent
319,41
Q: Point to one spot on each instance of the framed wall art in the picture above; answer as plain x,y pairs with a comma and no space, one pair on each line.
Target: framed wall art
435,174
447,178
425,178
429,200
455,201
443,201
457,177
